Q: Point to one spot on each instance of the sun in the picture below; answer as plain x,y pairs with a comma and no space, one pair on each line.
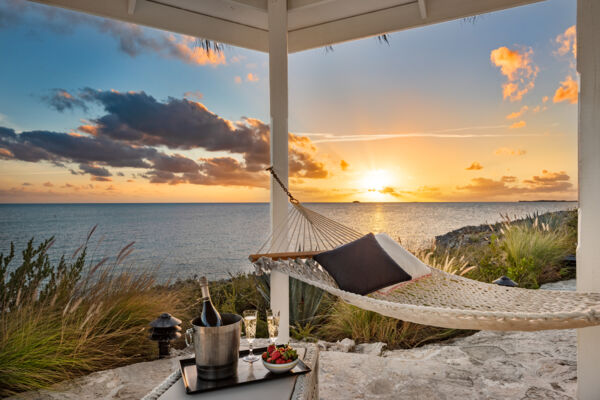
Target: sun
376,180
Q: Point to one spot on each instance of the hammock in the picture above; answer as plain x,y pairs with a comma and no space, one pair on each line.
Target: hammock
438,299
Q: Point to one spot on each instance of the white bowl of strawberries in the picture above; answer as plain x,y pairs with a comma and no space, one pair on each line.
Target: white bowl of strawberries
280,359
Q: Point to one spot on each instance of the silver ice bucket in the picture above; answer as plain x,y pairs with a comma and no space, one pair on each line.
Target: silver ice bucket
217,348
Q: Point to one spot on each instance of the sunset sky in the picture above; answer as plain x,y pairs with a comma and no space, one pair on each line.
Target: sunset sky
95,110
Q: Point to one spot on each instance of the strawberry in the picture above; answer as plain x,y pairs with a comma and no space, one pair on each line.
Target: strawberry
269,360
275,355
279,361
265,355
271,348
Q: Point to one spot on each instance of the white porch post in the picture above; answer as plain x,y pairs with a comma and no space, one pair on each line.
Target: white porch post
278,90
588,248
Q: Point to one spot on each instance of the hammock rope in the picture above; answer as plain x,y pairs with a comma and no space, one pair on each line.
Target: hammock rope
438,299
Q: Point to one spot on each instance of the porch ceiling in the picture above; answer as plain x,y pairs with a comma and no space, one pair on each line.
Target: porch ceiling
311,23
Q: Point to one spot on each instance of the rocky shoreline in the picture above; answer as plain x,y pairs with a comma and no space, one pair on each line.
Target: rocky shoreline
479,234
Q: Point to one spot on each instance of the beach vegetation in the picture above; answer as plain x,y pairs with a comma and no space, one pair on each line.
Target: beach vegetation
60,321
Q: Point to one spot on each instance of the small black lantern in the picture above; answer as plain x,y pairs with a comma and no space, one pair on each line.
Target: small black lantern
164,329
505,281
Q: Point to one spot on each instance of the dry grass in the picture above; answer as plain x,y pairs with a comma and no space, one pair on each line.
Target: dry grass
61,322
348,321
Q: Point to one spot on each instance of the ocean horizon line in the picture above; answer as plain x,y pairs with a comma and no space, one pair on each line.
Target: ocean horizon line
304,202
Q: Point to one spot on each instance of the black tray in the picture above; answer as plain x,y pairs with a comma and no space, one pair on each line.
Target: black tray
245,375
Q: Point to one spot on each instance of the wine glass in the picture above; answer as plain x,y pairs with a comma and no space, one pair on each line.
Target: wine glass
250,320
273,324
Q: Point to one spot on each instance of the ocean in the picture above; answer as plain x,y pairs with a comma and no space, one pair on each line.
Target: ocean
183,240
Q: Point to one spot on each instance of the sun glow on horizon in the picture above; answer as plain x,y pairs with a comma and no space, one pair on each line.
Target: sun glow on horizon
374,182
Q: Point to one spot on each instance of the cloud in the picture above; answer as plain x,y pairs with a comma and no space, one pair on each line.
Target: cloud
26,184
139,119
474,166
517,114
175,163
100,179
48,184
6,154
507,151
544,99
237,79
94,170
450,133
567,91
508,179
391,191
548,182
519,70
421,192
517,125
567,42
251,77
196,95
344,165
136,125
132,39
61,100
184,48
226,171
58,147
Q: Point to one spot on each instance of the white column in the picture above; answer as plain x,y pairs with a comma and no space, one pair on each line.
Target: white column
278,90
588,248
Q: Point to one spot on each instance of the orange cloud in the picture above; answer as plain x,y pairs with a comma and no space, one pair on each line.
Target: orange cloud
251,77
193,95
508,179
517,114
101,179
237,79
91,129
344,165
567,91
184,48
507,151
544,99
567,42
474,166
548,182
518,125
519,70
421,192
5,153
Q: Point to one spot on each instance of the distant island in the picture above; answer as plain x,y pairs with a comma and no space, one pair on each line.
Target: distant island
545,201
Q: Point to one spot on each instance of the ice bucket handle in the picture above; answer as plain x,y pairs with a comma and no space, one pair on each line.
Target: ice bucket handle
189,337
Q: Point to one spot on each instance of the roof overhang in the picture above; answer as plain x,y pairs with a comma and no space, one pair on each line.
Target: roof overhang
311,23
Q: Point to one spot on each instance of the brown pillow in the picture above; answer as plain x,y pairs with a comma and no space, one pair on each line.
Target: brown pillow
362,266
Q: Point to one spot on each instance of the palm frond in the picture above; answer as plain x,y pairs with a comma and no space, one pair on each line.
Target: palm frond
209,45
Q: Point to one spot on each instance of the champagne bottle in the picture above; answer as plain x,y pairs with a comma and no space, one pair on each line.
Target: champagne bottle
209,316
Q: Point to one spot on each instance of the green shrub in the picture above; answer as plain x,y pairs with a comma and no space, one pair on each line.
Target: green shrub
531,247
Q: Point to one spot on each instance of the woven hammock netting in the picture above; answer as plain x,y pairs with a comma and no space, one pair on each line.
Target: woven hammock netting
304,232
